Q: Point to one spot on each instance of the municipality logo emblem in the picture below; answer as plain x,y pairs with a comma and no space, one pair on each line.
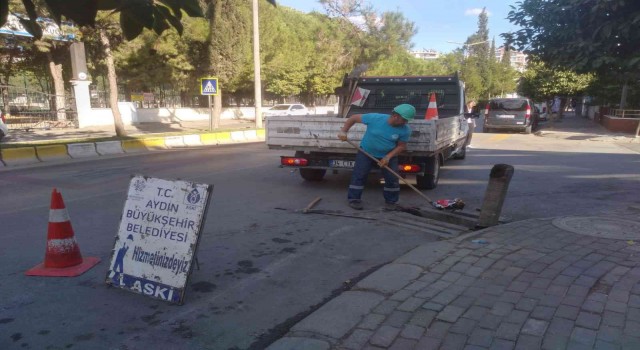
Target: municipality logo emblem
193,197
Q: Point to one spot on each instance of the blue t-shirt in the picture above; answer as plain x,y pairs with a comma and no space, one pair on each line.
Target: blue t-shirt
380,137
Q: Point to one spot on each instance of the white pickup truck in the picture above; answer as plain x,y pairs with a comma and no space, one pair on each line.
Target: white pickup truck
316,148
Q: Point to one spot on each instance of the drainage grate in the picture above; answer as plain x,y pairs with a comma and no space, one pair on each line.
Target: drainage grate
598,226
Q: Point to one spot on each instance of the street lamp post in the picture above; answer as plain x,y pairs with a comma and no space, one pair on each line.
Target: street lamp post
256,66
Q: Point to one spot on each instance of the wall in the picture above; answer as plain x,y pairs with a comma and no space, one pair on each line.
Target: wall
626,125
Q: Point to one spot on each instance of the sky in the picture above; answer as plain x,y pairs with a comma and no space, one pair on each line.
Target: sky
438,21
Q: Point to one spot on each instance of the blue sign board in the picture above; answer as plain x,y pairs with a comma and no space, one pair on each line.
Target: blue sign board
209,86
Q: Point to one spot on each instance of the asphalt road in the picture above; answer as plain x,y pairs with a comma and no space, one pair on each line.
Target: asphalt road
261,268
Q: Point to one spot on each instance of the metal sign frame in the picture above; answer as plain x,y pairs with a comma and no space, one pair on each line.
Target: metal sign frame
204,81
164,235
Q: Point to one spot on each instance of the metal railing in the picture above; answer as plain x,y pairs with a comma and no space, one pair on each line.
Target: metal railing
27,109
626,113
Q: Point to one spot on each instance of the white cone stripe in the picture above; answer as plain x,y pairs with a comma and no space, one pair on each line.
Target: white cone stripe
389,189
62,245
432,105
58,215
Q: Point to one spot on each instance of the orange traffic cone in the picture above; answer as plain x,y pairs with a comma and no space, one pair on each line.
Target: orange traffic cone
62,257
432,110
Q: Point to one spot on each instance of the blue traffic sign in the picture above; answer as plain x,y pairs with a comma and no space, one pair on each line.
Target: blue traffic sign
209,86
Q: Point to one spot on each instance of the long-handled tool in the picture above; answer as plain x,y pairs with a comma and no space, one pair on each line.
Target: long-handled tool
391,171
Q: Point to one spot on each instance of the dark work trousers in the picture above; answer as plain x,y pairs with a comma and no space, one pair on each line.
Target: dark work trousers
359,175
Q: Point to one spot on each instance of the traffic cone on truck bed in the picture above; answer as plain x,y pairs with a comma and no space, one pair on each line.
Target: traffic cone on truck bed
432,110
62,257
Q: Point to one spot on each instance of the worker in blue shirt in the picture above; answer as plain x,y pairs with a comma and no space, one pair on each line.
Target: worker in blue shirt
386,137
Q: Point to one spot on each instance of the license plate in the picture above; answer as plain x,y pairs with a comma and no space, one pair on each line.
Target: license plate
349,164
506,116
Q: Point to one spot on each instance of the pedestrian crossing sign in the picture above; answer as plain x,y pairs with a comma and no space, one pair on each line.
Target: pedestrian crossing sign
209,86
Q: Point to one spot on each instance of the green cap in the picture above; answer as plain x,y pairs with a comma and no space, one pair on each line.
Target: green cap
406,111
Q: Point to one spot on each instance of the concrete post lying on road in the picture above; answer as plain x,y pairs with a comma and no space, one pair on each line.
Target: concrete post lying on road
499,180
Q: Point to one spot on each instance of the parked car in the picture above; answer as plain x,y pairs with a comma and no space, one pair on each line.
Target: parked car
511,114
4,130
286,109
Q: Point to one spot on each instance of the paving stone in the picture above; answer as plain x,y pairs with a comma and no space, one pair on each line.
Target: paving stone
384,336
474,271
634,300
621,296
460,267
422,318
476,312
502,309
601,297
372,321
428,343
543,312
557,290
438,330
568,312
417,286
429,277
390,278
398,319
502,344
583,336
518,317
535,293
465,281
463,326
288,343
633,314
609,334
402,295
358,339
451,276
480,337
433,306
412,332
629,342
560,326
550,273
495,290
528,342
427,293
510,297
454,341
602,345
631,328
440,268
593,306
411,304
516,286
508,331
615,306
445,297
563,280
614,319
463,301
550,300
555,341
588,320
386,307
491,321
535,327
573,300
576,290
526,304
585,281
451,260
403,344
542,283
450,313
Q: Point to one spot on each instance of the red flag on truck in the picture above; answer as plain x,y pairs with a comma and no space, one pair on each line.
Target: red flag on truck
359,97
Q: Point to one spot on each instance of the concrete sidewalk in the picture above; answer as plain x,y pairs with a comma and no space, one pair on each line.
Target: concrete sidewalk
41,135
572,127
553,283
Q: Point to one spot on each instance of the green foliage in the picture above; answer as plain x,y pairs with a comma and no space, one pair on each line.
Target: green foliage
583,35
541,82
135,15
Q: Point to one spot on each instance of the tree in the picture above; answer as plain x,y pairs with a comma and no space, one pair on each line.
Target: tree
582,35
543,83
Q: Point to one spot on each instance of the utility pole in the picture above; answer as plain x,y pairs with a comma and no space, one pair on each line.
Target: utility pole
256,66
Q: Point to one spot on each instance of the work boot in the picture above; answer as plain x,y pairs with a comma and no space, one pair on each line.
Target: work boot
388,206
357,205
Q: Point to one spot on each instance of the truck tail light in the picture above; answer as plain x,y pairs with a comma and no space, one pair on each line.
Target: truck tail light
409,168
527,113
293,161
486,109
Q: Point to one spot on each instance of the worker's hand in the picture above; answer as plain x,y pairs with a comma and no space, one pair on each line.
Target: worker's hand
342,135
383,162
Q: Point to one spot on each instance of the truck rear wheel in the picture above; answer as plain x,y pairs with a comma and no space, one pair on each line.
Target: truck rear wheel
432,173
312,174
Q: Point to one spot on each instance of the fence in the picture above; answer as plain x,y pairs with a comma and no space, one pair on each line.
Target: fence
24,109
626,113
